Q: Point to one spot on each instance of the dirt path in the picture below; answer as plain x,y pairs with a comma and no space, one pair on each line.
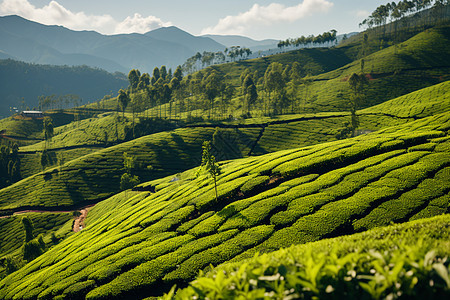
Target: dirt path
78,224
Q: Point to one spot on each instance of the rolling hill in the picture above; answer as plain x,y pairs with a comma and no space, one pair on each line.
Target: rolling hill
301,209
265,202
86,179
372,264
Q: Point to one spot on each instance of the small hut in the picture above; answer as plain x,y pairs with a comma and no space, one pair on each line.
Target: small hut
34,114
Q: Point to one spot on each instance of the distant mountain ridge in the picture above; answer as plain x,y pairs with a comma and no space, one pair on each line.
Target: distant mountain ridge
37,43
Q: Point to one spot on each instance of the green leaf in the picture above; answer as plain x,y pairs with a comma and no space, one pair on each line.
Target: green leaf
442,271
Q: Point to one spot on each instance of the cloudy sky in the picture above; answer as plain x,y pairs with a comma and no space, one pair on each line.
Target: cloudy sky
261,19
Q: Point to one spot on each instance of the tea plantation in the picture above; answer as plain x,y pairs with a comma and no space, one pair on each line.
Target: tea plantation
408,260
87,179
12,234
326,189
96,176
143,243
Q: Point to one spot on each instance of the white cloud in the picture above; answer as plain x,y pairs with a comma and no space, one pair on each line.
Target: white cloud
362,13
138,23
56,14
266,15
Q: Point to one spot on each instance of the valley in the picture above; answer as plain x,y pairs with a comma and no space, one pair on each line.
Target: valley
329,177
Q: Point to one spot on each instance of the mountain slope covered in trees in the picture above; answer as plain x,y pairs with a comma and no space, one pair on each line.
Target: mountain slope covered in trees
23,83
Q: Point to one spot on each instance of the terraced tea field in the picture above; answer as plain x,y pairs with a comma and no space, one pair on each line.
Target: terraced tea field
96,176
84,179
141,244
327,197
376,263
12,234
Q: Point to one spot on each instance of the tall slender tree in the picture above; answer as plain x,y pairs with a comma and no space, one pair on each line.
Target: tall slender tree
211,89
357,83
48,130
123,101
209,163
133,78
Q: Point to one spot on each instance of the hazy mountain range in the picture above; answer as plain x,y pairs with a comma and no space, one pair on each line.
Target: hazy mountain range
32,42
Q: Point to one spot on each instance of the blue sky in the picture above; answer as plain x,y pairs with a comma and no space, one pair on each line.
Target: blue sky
259,19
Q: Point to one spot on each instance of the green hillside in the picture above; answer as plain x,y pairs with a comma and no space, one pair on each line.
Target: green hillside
396,70
146,242
416,63
77,179
327,189
96,176
12,234
395,260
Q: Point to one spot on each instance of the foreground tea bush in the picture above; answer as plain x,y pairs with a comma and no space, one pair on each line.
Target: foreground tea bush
397,262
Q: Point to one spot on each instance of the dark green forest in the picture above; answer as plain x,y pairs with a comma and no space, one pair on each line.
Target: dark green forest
23,83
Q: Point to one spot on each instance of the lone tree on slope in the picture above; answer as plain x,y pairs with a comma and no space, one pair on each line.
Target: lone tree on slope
48,129
357,83
123,101
210,164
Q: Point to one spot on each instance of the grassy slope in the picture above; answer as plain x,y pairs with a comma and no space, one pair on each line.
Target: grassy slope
96,176
142,244
414,64
23,129
418,62
32,129
313,129
303,129
89,131
342,263
88,177
12,234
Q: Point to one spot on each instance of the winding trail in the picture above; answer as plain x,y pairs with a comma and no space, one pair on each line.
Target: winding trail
78,224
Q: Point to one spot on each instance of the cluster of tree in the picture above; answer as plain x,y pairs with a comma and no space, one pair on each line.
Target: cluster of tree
32,247
237,52
205,59
274,92
180,94
58,102
396,11
9,164
325,39
145,91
